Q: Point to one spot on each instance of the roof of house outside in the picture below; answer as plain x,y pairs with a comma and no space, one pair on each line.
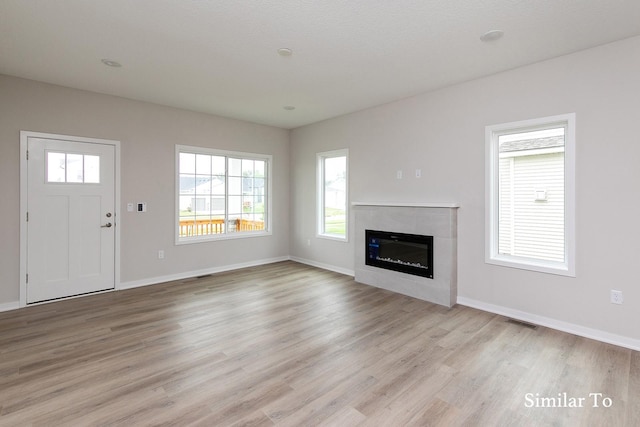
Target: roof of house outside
532,144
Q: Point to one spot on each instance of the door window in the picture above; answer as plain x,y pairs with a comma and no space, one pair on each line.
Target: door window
72,168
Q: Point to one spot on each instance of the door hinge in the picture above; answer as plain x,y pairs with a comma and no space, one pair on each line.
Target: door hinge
27,277
27,216
27,154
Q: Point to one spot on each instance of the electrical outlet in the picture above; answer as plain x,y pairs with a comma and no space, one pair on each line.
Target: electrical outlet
616,297
399,174
160,254
418,173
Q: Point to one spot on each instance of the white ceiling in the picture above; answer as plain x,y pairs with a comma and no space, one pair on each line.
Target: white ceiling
220,56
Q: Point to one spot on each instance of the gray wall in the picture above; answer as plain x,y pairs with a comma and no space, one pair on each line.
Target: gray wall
442,133
148,134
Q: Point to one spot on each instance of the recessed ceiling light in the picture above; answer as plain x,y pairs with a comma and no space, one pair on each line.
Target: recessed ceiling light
289,107
285,51
492,35
111,63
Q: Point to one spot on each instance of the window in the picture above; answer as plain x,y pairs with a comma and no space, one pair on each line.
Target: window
333,194
531,194
72,168
221,194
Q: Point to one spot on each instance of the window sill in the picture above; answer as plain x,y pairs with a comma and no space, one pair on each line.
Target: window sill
540,266
333,237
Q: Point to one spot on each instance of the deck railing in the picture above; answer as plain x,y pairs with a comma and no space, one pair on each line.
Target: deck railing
200,227
204,227
247,225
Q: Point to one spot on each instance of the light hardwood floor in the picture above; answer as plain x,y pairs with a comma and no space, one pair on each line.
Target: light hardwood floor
290,345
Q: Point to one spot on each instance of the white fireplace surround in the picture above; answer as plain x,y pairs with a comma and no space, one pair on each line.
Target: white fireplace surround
430,219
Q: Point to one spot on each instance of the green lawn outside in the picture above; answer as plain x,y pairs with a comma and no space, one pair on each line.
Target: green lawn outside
335,222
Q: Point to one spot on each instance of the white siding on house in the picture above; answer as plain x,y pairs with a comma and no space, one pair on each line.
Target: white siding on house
505,224
528,227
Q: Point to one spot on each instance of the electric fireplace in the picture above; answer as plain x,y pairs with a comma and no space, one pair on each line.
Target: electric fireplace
407,253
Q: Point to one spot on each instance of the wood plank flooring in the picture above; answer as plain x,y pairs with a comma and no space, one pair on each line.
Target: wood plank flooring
290,345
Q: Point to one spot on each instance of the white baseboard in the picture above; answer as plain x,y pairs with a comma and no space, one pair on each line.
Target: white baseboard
8,306
559,325
196,273
323,266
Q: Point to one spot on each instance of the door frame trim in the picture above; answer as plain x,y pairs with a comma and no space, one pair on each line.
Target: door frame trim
24,138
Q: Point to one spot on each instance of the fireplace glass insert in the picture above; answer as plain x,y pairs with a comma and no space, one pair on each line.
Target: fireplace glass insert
407,253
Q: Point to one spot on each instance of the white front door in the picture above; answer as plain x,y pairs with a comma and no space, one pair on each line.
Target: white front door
70,217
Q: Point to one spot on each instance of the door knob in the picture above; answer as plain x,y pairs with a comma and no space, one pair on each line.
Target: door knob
108,214
107,225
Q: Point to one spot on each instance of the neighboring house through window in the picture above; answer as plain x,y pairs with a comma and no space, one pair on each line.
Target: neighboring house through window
530,194
221,194
332,194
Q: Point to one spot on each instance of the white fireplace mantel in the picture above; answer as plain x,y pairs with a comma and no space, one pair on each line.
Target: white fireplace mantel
409,205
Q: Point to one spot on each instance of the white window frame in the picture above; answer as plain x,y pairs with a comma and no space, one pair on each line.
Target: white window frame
492,255
268,159
320,191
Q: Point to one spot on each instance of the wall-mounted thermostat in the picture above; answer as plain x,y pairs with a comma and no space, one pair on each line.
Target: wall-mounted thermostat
142,207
